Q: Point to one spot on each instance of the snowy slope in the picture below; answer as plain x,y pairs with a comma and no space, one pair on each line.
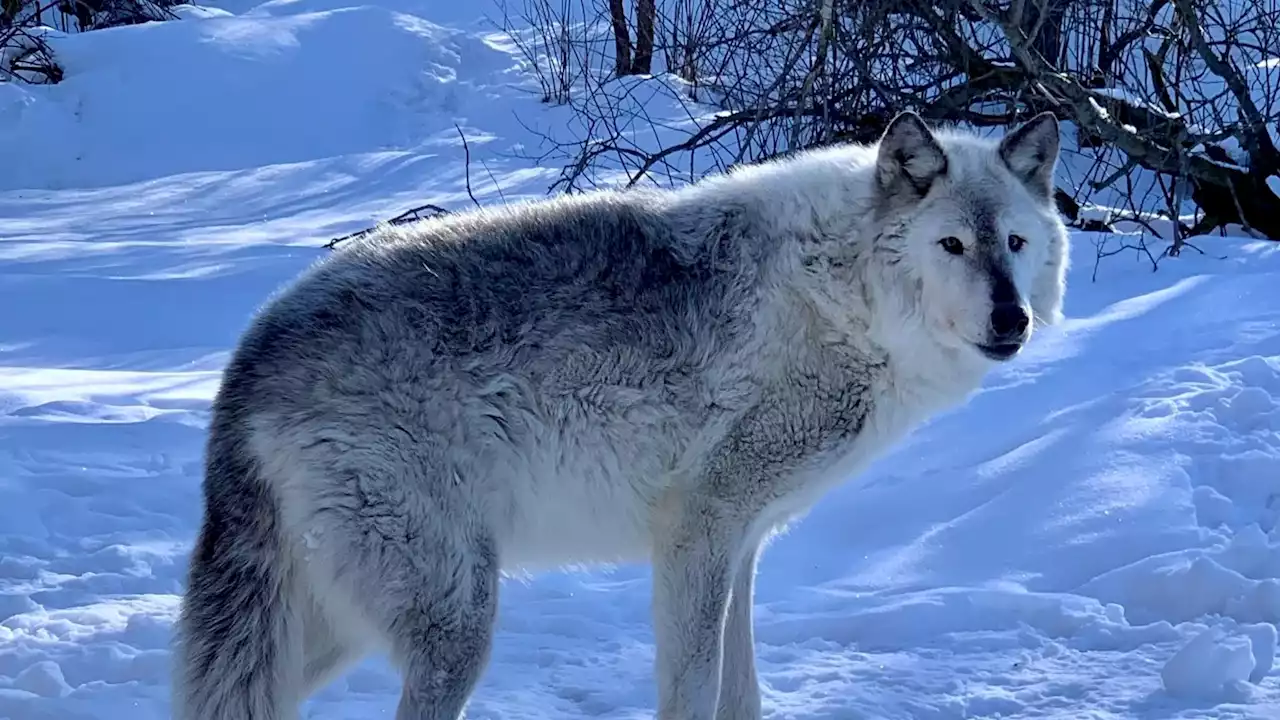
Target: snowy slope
1094,535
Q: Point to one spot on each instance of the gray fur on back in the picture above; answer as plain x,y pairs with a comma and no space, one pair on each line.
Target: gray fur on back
601,291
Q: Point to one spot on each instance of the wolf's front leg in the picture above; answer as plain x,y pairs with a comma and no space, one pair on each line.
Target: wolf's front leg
694,565
739,684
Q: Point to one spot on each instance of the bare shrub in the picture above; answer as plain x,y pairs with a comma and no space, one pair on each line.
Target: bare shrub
563,42
25,55
1178,88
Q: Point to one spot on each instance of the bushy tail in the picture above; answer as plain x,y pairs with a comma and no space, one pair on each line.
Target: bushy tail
237,650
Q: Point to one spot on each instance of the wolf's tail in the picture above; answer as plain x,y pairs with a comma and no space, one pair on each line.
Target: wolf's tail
237,640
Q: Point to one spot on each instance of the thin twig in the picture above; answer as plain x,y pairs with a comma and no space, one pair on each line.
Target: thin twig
408,216
466,149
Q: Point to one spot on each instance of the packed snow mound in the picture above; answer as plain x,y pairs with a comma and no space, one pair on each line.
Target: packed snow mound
223,92
1217,665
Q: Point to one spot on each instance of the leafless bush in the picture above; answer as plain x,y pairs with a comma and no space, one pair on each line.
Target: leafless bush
562,42
685,28
1174,87
25,55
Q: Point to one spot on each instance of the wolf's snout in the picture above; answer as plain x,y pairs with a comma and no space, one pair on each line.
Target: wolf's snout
1009,322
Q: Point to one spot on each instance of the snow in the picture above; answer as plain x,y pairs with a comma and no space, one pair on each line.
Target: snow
1210,665
1096,534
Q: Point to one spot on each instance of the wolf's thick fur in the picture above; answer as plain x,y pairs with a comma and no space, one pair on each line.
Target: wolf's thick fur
659,376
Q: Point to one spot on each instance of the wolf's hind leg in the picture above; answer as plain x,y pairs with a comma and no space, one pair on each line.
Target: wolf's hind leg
421,568
442,645
327,652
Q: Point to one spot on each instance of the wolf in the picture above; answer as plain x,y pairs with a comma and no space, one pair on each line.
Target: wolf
663,376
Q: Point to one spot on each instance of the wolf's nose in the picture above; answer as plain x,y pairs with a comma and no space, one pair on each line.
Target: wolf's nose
1009,321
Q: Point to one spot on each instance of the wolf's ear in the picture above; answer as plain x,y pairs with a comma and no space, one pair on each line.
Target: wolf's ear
910,158
1031,153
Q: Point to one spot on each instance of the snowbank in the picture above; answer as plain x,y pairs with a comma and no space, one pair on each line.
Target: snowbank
225,93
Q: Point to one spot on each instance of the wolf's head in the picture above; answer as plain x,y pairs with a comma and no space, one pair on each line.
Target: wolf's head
972,224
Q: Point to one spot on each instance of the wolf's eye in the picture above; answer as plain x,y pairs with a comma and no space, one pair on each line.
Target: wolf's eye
1017,242
952,245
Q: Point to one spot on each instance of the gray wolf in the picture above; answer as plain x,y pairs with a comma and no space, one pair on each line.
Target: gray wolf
662,376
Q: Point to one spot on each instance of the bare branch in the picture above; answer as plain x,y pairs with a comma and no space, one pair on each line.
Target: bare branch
1259,144
408,216
466,150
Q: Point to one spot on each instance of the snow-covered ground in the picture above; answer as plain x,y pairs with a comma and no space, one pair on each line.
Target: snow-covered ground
1094,535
